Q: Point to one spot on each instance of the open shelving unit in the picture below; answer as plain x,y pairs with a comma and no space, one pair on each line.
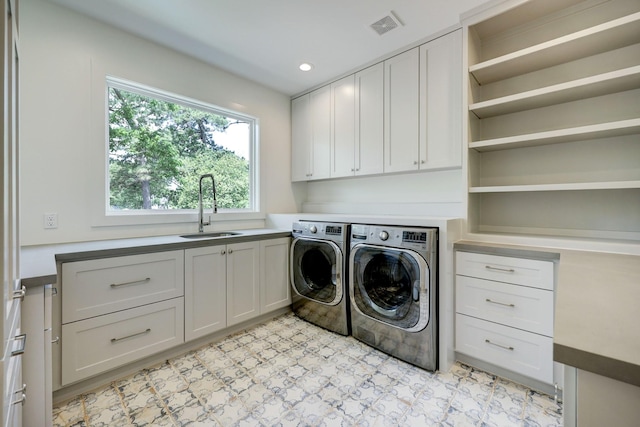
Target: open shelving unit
554,119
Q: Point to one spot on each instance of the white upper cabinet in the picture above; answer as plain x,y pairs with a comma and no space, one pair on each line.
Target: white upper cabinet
401,111
357,117
441,102
311,135
369,138
300,138
343,127
403,114
320,133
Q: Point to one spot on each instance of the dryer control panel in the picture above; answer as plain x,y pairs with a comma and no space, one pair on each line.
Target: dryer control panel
401,237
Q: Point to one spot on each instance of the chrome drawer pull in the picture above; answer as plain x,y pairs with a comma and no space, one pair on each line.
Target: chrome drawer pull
133,282
506,270
500,303
20,350
56,340
20,293
131,336
23,397
500,345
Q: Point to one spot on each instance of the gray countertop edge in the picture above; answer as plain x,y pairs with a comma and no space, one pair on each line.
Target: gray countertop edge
606,366
169,246
506,250
32,282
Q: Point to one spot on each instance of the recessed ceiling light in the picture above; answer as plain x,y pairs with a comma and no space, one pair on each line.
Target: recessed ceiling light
305,66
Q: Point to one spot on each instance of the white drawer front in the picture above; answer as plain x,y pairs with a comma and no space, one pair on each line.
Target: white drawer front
520,271
96,287
519,351
95,345
522,307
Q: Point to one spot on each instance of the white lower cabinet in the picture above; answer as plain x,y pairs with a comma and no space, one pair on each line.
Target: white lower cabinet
243,282
504,313
161,300
95,345
229,284
275,291
13,388
205,291
510,348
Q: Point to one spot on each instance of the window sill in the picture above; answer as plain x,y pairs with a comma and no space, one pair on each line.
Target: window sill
165,217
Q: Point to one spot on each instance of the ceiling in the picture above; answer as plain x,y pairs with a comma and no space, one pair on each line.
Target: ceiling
266,40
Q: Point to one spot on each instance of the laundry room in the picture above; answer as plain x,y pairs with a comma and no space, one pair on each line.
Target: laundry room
321,213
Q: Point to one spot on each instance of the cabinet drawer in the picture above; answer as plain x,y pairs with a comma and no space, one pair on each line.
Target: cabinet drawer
519,351
520,271
96,287
521,307
95,345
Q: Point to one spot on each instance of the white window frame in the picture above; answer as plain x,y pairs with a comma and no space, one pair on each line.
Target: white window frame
108,217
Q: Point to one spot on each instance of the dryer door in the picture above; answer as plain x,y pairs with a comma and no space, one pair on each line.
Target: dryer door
316,270
390,285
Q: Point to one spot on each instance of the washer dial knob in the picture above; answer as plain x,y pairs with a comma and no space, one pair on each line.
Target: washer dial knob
313,229
383,235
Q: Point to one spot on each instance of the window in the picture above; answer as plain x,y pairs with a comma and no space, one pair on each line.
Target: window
160,144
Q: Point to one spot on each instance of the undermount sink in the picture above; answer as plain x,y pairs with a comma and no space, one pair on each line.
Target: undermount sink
211,235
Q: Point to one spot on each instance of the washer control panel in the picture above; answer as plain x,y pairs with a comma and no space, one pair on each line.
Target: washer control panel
321,230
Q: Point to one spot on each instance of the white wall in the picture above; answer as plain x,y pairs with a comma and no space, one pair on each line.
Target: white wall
63,59
425,194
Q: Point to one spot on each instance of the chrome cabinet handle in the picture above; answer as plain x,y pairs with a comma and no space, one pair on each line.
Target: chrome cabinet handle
133,282
23,395
500,345
20,350
56,340
499,303
146,331
20,293
223,252
229,251
506,270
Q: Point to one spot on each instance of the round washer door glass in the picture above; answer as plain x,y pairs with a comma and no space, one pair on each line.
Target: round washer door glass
388,285
315,270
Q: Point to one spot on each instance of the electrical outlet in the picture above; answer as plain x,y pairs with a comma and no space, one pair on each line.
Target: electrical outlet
51,220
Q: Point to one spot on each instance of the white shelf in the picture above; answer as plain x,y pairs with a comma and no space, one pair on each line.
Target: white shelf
603,130
572,186
588,87
601,38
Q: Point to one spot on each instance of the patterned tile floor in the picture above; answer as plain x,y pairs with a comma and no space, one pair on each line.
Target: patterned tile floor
287,372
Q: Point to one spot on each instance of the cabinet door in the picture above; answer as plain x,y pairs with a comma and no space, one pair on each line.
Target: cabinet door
441,102
369,138
300,138
275,291
342,127
243,293
320,133
401,92
205,291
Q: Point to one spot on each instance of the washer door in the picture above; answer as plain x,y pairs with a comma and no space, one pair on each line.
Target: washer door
316,270
390,285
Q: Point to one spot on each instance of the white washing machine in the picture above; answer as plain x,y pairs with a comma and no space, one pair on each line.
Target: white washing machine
394,291
319,256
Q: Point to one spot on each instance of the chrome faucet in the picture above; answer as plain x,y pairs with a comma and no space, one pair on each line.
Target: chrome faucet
201,222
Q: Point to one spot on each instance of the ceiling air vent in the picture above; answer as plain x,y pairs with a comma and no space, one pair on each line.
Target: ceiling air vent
386,24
